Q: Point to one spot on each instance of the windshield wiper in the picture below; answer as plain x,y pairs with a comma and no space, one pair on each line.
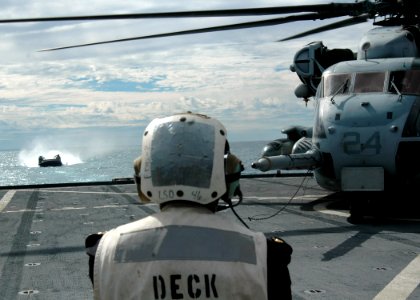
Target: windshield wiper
342,87
397,90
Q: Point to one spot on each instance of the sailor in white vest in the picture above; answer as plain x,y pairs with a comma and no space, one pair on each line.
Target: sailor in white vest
186,251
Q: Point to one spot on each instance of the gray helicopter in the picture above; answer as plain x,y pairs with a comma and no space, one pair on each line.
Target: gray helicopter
366,133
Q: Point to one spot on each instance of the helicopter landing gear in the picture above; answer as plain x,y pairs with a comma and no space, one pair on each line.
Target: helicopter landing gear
362,205
357,210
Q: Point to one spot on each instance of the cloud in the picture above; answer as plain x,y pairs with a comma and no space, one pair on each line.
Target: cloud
241,77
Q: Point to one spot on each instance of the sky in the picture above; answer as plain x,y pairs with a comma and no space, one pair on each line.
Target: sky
109,93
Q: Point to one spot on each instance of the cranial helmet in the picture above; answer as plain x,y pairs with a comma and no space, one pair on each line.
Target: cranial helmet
183,159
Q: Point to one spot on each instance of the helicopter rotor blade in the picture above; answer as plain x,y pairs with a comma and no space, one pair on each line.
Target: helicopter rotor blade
253,24
394,13
347,22
339,8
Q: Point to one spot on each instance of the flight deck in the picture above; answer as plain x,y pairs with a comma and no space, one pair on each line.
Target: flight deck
43,229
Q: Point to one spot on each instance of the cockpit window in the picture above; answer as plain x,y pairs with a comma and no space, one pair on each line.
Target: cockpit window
405,82
336,84
369,82
400,82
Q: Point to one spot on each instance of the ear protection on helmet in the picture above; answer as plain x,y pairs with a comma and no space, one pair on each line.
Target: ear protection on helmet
137,179
233,169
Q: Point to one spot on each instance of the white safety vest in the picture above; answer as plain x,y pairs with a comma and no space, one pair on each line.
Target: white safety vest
181,253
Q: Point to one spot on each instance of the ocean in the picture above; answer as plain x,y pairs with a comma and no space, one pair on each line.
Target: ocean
20,167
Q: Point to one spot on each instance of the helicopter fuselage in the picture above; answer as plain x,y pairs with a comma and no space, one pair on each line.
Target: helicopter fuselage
366,132
367,124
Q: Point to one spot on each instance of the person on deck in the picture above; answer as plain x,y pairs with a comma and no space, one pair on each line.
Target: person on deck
187,250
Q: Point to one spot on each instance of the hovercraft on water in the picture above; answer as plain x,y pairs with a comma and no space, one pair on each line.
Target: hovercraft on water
50,162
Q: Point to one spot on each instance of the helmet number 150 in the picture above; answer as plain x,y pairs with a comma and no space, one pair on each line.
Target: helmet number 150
352,143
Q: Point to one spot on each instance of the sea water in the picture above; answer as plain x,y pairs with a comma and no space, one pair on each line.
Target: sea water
20,167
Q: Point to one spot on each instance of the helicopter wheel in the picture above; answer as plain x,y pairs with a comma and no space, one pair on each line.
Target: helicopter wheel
357,208
366,204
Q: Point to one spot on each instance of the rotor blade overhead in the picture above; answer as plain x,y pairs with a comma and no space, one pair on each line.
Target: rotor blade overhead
253,24
393,12
339,8
343,23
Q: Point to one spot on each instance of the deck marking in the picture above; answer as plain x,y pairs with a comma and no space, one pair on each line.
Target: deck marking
77,192
6,199
404,283
322,208
70,208
300,197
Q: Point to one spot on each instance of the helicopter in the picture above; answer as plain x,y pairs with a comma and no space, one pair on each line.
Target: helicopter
366,130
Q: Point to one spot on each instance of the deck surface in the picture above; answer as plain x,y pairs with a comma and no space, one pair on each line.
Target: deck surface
43,230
